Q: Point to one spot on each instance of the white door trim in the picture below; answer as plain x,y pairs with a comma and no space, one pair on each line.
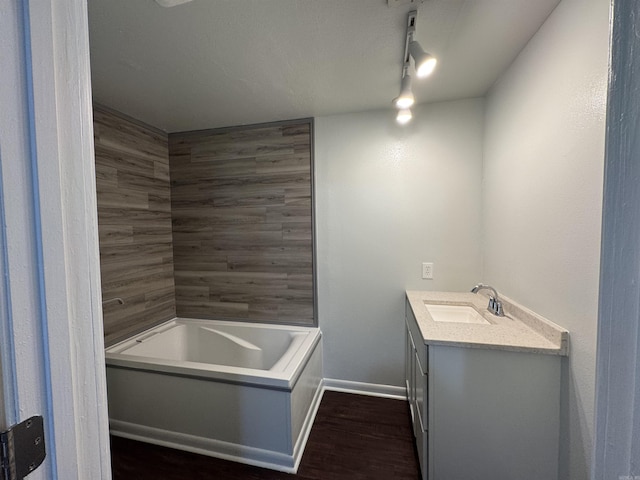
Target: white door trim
54,315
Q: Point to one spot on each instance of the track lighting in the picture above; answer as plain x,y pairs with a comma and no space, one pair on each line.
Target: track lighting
424,64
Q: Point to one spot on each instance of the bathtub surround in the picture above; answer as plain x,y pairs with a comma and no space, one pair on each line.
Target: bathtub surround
242,222
134,217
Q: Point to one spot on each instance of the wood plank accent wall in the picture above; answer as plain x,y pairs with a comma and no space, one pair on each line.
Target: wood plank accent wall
134,219
242,223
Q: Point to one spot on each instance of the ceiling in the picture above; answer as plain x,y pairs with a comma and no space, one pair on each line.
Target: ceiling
214,63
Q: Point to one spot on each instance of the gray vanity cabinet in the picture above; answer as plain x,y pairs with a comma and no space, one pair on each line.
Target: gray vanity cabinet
480,413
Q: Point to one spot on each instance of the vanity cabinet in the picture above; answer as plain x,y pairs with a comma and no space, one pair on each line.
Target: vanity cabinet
482,413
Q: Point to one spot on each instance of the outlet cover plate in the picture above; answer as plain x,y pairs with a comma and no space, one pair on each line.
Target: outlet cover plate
427,270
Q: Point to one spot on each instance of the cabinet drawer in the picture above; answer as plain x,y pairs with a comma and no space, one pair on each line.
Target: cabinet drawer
421,392
412,325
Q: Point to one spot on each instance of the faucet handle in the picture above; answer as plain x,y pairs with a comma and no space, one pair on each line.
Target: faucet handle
495,307
492,304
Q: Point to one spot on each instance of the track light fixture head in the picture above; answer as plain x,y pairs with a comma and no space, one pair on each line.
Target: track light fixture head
405,99
424,62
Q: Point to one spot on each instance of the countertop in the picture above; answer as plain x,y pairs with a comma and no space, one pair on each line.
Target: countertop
519,330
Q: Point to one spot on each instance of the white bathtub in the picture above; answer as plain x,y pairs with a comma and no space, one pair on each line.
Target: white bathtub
239,391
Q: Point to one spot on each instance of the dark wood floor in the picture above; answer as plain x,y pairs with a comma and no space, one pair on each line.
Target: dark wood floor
353,437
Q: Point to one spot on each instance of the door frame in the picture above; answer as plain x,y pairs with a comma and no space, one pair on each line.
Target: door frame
51,319
617,438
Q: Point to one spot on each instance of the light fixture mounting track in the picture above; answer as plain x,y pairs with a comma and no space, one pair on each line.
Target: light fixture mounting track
424,65
411,30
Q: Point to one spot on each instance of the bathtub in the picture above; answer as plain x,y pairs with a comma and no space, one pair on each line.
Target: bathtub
239,391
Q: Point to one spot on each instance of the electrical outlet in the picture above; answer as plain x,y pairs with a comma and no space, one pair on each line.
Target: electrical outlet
427,271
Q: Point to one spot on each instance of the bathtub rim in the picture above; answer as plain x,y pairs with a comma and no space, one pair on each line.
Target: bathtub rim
283,380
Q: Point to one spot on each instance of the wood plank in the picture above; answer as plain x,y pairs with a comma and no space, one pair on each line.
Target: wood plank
286,164
219,215
272,263
289,214
241,207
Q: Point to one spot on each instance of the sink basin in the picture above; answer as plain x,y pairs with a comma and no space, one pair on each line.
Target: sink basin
455,314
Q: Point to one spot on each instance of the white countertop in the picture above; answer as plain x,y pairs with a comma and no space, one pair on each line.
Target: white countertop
519,330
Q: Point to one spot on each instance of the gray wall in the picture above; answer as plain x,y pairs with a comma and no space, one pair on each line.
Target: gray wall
542,194
387,199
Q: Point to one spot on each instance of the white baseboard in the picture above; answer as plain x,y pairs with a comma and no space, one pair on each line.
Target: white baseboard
361,388
204,446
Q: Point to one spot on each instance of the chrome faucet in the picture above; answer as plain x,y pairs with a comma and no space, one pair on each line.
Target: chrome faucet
495,305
